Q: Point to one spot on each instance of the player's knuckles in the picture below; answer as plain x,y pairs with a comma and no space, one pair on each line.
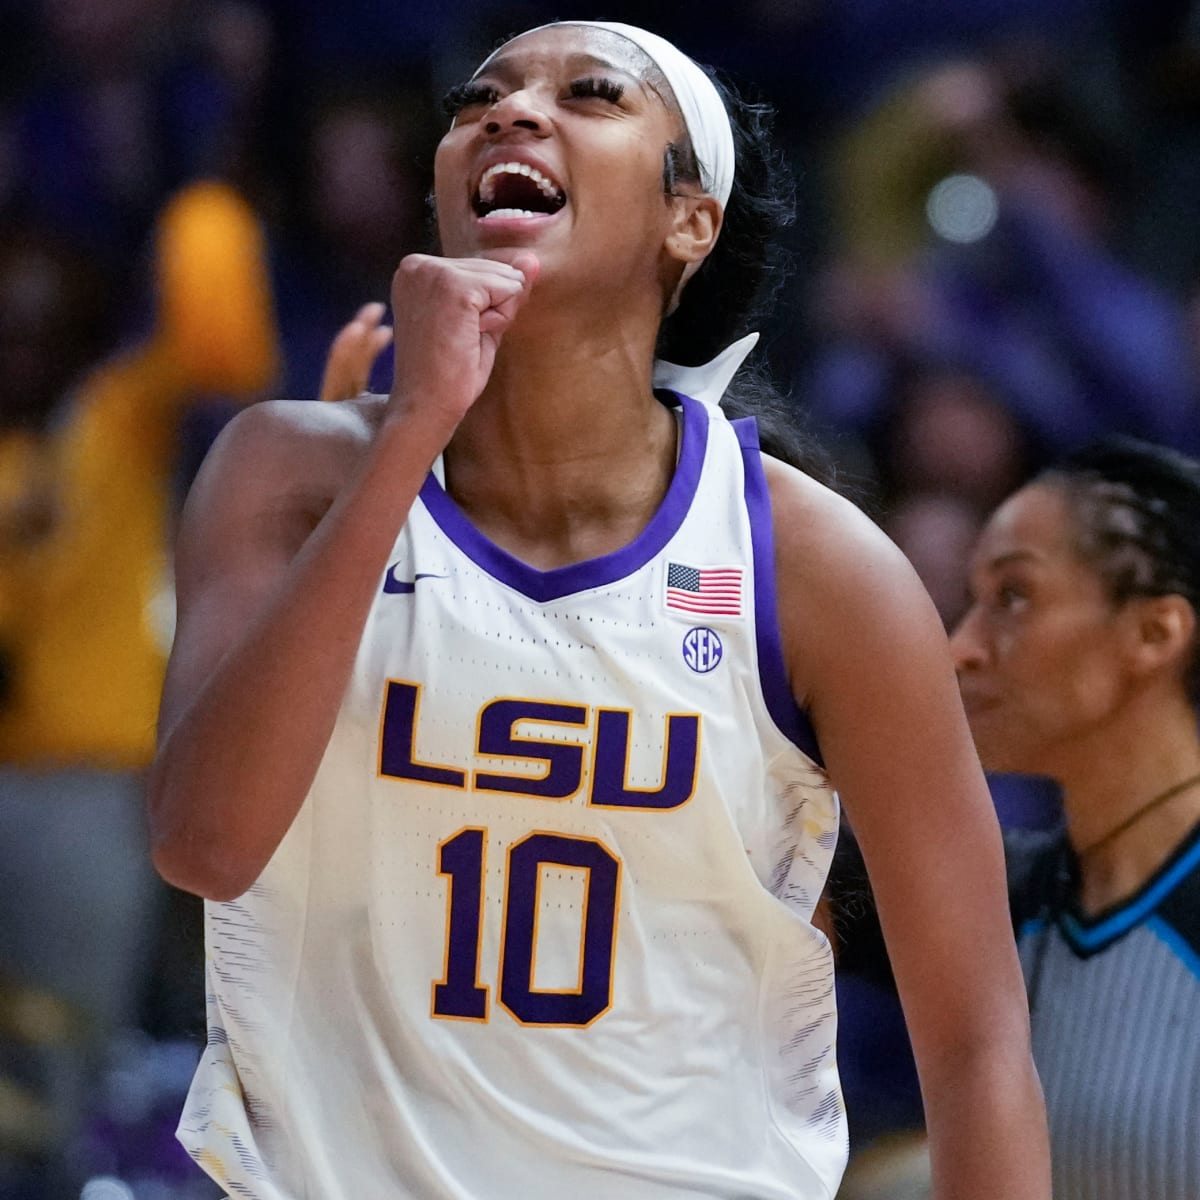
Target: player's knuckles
448,277
412,268
416,264
459,291
421,278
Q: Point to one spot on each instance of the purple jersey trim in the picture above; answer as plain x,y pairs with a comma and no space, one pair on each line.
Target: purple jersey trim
792,720
542,586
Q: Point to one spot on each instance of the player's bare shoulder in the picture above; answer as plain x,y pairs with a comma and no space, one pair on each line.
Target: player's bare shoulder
287,453
271,476
840,580
309,444
819,529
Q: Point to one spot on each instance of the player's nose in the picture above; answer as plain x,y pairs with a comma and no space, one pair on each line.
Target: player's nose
520,109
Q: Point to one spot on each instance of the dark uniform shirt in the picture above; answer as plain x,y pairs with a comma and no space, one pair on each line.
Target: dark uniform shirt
1115,1009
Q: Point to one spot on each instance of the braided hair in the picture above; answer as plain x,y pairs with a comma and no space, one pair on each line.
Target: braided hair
1136,510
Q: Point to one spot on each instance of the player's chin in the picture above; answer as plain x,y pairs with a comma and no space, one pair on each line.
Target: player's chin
507,253
546,259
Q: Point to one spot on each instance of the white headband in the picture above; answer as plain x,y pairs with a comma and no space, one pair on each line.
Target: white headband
703,111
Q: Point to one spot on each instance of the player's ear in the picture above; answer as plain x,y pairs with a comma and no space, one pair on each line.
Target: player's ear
695,226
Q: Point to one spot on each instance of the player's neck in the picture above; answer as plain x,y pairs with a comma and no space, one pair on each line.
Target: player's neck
564,460
576,368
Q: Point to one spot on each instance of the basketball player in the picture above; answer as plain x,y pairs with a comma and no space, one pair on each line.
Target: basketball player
491,731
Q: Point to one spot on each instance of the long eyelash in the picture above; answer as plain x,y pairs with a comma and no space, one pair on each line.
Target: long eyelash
606,89
465,94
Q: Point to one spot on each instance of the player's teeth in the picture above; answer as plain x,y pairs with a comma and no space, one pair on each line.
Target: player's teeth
487,185
510,212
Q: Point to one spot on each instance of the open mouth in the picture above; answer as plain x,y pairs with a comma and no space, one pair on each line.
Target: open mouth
514,189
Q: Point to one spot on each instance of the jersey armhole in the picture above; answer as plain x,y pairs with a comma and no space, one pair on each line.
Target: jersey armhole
792,720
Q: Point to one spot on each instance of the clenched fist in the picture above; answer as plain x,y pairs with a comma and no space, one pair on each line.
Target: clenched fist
450,315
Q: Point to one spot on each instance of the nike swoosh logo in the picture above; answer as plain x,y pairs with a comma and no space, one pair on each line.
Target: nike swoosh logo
404,586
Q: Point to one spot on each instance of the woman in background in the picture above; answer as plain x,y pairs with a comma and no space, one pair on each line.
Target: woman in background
1078,660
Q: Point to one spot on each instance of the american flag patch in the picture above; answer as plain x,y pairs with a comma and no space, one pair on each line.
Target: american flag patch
716,591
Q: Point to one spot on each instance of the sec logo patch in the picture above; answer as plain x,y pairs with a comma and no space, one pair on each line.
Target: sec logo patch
701,649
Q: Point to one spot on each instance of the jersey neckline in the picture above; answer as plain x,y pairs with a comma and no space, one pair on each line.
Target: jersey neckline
1089,934
543,586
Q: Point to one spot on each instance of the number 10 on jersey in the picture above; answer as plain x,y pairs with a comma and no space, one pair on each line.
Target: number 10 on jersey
460,994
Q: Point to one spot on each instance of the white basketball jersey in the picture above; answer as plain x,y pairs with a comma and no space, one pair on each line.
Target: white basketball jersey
542,926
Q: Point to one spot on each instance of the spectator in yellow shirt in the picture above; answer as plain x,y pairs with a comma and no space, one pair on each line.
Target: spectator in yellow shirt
87,504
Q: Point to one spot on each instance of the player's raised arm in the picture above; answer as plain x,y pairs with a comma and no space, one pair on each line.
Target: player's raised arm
284,539
870,661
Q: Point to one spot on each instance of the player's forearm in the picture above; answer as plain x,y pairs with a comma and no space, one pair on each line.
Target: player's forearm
235,765
987,1127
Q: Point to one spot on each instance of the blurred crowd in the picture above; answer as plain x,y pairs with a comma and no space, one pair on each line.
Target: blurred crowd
995,260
